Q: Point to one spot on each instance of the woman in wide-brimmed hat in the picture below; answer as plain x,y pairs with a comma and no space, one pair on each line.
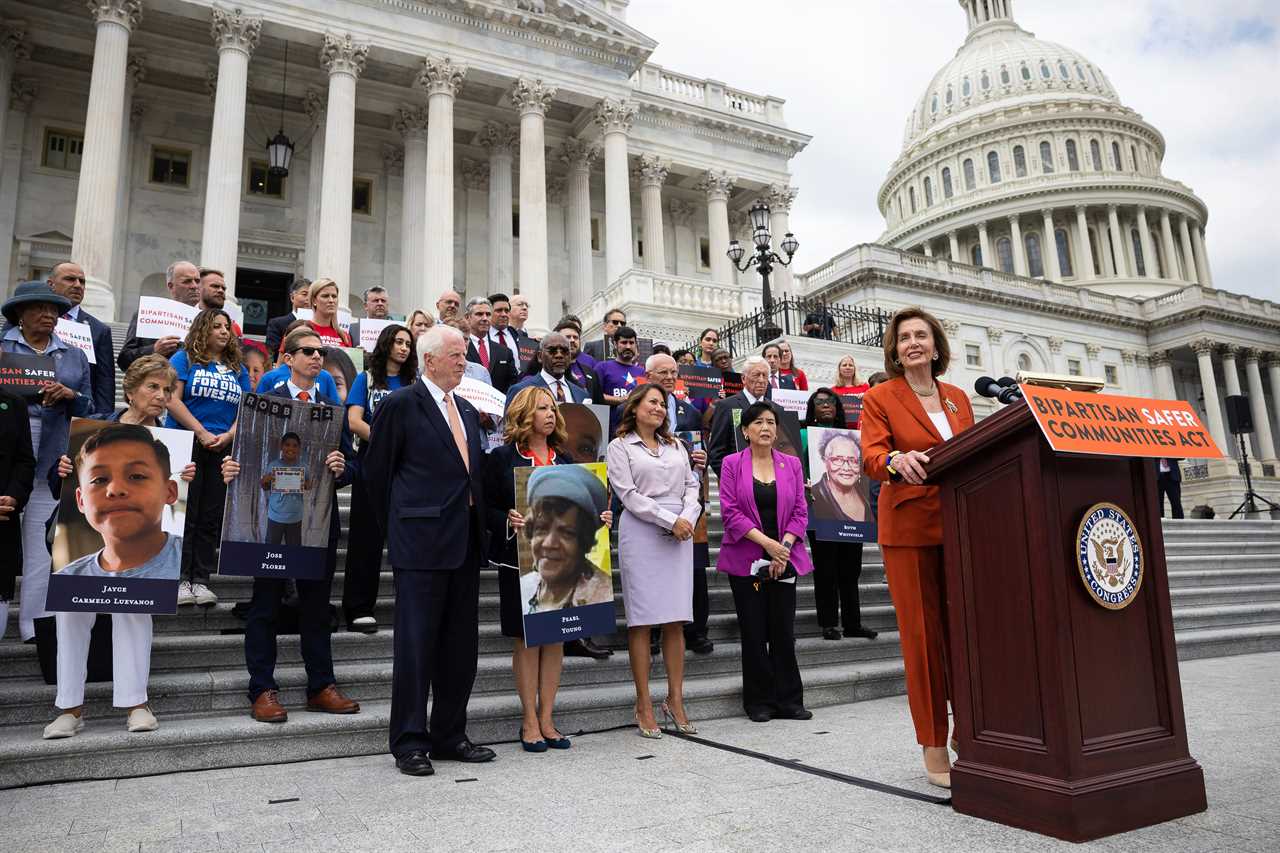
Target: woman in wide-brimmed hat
33,310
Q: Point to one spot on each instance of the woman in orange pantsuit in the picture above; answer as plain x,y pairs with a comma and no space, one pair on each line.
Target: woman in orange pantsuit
902,419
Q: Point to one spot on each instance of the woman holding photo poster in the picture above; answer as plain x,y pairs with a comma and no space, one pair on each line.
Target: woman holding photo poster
391,366
33,310
837,566
650,472
206,400
903,419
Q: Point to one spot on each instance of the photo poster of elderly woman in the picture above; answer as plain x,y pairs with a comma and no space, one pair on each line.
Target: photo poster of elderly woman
566,583
117,542
840,498
276,523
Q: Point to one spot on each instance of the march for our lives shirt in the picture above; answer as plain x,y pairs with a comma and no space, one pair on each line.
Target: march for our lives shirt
211,392
360,395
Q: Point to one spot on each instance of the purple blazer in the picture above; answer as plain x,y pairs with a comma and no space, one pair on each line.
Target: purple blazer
739,514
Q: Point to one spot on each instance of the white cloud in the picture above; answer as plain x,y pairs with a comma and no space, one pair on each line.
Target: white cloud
1205,74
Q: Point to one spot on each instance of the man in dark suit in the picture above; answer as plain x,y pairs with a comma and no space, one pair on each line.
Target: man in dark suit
1169,484
306,360
553,352
182,278
773,355
614,319
755,387
580,371
493,357
377,306
67,279
437,541
278,326
502,331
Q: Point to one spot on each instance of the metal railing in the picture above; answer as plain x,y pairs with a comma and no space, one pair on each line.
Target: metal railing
810,317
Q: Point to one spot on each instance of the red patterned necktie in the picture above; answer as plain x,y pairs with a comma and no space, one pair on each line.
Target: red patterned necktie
304,396
484,353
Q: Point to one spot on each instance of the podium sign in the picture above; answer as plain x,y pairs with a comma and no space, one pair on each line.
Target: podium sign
1068,707
1082,422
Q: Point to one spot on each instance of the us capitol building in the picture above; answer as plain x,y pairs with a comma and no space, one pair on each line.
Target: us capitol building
530,144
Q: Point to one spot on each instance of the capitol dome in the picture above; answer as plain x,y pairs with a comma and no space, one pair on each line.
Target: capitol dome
1020,157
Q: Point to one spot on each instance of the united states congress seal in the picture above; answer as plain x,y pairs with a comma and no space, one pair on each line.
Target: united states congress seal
1109,554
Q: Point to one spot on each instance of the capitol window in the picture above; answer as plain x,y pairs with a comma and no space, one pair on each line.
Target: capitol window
362,196
975,254
1095,153
1035,261
1133,156
1044,70
972,355
1115,155
1062,70
261,182
946,183
1026,73
911,198
62,150
1073,159
171,167
1064,252
1019,161
934,108
1046,157
1004,75
966,88
1073,367
1004,251
986,81
1139,262
950,96
928,192
1024,361
993,166
969,181
1080,73
1111,374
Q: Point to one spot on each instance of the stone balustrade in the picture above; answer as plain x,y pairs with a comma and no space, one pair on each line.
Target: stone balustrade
712,94
667,307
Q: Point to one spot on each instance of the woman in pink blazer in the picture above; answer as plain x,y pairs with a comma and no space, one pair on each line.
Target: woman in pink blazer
763,508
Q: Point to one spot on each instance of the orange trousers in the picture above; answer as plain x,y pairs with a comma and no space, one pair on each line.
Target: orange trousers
918,589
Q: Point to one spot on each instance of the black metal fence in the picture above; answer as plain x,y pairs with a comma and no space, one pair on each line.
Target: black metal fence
809,317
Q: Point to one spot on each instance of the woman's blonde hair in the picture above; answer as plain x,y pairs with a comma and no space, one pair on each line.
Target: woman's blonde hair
839,378
941,349
145,367
316,286
197,342
518,425
413,318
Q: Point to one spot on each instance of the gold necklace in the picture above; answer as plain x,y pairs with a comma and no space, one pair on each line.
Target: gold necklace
933,389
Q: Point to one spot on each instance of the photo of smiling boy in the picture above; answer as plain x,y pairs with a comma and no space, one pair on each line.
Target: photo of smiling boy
284,501
123,488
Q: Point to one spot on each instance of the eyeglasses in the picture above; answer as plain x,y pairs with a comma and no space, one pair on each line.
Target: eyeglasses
843,461
310,351
555,348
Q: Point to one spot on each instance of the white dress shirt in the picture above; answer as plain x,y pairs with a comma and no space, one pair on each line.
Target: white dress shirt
437,394
507,338
294,390
552,382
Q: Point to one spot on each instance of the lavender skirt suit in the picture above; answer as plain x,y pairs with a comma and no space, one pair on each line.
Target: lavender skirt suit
657,570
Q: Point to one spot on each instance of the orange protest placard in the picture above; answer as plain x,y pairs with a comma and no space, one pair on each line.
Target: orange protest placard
1081,422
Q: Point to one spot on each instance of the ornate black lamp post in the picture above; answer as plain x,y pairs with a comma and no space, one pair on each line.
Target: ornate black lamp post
763,258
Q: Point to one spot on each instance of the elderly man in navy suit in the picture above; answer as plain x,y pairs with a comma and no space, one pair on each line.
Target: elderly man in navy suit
425,448
554,352
67,279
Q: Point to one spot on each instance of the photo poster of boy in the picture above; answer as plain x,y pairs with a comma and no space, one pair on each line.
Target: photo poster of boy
566,583
276,523
839,493
117,540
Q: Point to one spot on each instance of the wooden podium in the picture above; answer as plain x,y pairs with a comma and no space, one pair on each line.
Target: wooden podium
1068,714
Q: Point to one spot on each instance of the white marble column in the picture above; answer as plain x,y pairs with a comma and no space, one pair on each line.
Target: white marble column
682,214
1273,373
1162,366
1148,249
1105,255
1085,264
718,186
780,198
1202,259
13,49
1189,272
1230,371
578,155
1049,246
1171,267
1055,355
1263,443
984,245
927,245
954,240
344,59
95,220
1204,348
411,122
531,98
475,183
1117,243
441,78
393,224
24,92
235,35
314,104
650,173
615,118
557,248
137,71
1019,248
500,141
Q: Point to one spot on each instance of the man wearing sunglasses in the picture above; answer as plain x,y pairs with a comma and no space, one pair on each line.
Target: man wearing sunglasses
555,353
67,279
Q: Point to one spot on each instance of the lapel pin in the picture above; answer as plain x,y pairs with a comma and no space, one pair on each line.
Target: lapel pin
951,406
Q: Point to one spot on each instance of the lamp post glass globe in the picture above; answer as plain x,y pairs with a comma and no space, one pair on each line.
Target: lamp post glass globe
790,244
279,154
761,238
735,251
759,216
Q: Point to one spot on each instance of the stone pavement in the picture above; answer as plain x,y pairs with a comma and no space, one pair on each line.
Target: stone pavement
616,791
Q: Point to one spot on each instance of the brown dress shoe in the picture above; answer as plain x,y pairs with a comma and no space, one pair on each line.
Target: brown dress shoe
330,701
267,708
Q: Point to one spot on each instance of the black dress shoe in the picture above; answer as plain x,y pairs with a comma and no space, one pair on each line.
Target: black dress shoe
700,645
861,631
830,633
585,649
466,752
800,713
759,716
415,763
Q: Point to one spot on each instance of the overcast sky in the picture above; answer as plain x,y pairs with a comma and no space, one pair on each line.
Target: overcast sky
1205,74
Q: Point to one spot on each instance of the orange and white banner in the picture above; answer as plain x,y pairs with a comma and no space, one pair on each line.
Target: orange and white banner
1082,422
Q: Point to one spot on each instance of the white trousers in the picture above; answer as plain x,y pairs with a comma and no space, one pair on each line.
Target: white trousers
36,561
130,657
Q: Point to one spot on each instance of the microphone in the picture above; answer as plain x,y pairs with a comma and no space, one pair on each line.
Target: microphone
1005,393
1011,390
987,387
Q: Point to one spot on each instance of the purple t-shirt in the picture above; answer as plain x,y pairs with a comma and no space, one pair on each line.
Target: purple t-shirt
618,380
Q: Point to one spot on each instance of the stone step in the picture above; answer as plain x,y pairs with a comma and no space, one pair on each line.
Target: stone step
1227,615
1227,594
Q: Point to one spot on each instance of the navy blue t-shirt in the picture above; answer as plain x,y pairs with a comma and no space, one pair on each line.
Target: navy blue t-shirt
360,395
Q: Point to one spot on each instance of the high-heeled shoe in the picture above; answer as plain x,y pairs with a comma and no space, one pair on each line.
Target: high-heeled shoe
531,745
685,728
941,778
653,734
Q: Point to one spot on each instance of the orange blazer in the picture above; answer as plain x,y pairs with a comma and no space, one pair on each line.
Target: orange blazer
894,419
